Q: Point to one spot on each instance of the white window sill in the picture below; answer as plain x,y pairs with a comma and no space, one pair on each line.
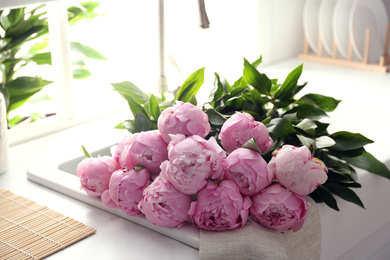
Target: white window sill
53,124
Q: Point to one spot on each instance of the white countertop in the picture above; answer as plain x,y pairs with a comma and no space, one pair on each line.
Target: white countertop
117,238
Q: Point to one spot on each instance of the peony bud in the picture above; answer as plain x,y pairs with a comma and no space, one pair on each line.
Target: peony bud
95,174
220,207
163,205
126,188
183,118
280,209
146,149
240,128
248,170
297,170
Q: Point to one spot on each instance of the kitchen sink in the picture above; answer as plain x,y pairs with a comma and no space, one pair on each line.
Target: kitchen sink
61,177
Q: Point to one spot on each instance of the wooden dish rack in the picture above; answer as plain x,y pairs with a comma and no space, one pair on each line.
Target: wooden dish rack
381,67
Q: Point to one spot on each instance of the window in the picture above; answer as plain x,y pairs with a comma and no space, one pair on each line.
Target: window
128,36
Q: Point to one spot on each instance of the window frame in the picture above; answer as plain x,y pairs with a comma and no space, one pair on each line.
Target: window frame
58,33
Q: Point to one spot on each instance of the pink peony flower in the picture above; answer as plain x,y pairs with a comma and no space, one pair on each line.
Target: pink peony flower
126,187
248,170
297,170
107,201
95,173
183,118
163,205
146,149
240,128
118,149
192,161
280,209
220,207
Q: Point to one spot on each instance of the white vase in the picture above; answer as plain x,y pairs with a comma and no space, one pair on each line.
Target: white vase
4,159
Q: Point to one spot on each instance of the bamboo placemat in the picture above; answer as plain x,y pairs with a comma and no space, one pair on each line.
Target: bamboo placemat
32,231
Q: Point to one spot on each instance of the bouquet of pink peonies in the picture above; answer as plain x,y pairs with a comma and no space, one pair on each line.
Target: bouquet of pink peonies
253,151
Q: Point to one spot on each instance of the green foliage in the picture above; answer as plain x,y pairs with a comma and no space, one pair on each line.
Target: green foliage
191,86
28,26
289,121
146,108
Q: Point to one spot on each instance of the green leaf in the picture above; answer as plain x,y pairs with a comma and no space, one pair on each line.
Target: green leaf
349,141
86,153
127,88
259,81
19,39
308,111
82,11
290,83
79,73
14,121
154,107
324,194
215,118
280,127
38,46
321,128
235,93
42,58
337,166
257,62
87,51
324,142
135,107
22,88
238,83
307,126
251,144
37,99
35,117
266,121
363,160
138,168
258,102
127,124
5,22
340,167
328,104
141,122
193,100
307,141
26,27
344,193
219,91
78,62
191,86
274,89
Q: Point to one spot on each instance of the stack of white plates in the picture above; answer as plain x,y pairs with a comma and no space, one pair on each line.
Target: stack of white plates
344,21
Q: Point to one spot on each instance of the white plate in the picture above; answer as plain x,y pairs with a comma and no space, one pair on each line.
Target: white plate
386,3
325,19
340,25
62,178
372,15
310,23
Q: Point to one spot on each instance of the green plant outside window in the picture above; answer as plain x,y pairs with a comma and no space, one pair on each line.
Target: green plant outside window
26,28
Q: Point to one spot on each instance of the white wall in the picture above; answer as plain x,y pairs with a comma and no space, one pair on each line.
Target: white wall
280,29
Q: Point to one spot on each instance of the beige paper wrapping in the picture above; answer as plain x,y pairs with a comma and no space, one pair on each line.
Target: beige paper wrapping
260,243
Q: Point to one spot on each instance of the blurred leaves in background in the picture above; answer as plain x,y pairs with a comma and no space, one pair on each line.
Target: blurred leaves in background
23,42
